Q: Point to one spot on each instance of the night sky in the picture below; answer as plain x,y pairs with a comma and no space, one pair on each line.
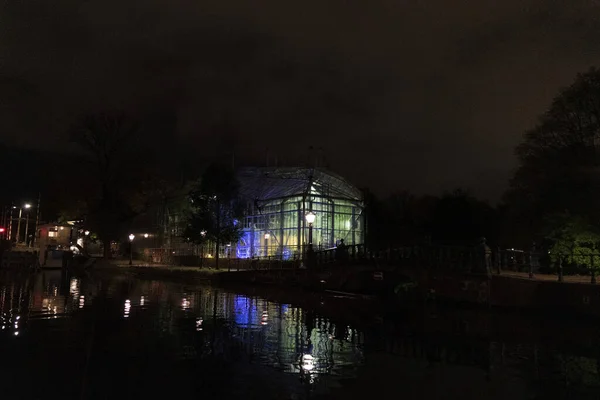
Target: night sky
417,95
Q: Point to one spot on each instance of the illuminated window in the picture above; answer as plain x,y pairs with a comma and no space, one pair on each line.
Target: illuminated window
52,234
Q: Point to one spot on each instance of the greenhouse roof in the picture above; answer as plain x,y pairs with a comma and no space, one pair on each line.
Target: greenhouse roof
264,183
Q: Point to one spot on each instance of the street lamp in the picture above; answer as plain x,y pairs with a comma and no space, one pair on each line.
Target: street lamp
267,237
310,219
131,237
27,207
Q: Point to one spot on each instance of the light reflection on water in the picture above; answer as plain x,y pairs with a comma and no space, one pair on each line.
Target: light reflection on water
155,339
178,322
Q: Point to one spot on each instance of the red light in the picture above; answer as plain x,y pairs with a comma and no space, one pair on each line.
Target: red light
2,230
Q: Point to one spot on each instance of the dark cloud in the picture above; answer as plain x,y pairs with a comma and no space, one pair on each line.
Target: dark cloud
414,95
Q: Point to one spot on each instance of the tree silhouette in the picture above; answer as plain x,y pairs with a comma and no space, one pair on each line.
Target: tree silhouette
461,218
117,177
558,159
215,209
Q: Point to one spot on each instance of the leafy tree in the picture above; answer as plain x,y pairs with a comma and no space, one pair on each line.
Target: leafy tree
573,239
216,209
558,160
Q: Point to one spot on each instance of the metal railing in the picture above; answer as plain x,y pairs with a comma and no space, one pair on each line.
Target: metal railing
470,259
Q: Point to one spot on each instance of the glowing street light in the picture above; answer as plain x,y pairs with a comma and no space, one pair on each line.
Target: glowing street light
310,219
267,237
131,237
146,235
27,206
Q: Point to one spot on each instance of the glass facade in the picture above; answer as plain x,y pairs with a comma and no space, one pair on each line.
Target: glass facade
277,227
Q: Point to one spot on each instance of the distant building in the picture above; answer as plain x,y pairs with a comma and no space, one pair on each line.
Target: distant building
274,225
277,201
56,235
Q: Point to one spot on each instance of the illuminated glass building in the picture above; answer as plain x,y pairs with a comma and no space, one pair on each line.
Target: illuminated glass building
277,201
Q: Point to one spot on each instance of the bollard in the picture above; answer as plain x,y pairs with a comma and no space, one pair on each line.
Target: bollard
560,269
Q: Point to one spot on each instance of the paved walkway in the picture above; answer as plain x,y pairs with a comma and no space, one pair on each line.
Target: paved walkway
547,278
120,263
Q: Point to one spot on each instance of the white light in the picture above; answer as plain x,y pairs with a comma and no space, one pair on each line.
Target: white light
86,233
267,236
127,308
62,228
27,205
146,235
185,303
16,333
310,217
131,237
142,301
308,362
203,233
265,318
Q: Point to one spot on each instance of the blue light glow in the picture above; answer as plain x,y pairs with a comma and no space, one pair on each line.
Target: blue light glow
243,249
246,312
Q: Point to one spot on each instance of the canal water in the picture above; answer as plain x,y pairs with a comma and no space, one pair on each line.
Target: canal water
111,337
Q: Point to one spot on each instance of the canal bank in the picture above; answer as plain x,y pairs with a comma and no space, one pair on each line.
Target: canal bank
512,291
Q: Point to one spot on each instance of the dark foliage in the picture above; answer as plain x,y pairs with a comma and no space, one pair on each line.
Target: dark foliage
117,175
558,161
215,209
454,218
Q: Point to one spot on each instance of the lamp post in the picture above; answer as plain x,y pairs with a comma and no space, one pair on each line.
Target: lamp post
18,224
310,219
131,237
267,237
27,207
10,223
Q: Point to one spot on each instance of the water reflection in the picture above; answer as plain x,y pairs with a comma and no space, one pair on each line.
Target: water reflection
114,334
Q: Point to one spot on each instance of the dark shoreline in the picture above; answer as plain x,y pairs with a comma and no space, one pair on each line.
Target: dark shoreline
501,294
